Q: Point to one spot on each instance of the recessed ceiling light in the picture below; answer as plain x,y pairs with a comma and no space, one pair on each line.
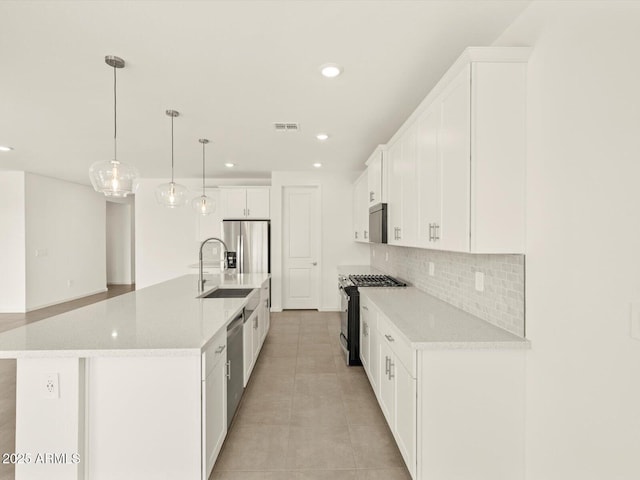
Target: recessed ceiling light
317,165
5,149
229,165
322,136
330,70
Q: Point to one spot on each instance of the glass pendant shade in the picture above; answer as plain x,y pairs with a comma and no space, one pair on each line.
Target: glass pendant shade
203,205
113,178
171,194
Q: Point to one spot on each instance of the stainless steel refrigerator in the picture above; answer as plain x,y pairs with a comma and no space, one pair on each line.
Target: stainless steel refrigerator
251,241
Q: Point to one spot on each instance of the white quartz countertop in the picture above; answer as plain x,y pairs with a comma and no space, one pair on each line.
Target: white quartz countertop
358,270
429,323
163,319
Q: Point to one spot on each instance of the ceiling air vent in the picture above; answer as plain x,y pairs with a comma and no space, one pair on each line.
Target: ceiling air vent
286,127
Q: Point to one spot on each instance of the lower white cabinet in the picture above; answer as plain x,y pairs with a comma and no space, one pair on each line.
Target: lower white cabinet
387,388
454,413
248,358
405,410
214,402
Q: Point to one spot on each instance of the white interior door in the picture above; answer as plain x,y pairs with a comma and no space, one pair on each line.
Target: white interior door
301,248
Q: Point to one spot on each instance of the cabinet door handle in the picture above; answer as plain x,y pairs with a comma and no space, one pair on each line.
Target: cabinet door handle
436,232
431,232
365,235
255,323
391,365
386,365
244,212
399,233
228,369
356,235
364,307
248,212
220,349
364,329
389,337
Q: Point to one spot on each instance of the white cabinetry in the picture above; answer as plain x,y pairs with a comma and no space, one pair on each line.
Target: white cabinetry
390,366
376,176
239,203
361,209
403,189
214,401
465,148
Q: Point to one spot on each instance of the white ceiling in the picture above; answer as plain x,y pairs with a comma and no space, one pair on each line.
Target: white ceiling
232,69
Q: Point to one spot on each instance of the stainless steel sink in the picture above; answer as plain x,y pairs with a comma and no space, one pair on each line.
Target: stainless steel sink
228,293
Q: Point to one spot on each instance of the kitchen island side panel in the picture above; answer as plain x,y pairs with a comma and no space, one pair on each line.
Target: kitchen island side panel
144,417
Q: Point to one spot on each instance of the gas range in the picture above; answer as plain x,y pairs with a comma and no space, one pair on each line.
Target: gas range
350,310
369,281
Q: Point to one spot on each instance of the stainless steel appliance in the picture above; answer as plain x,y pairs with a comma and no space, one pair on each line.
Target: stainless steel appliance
251,241
235,366
350,310
378,223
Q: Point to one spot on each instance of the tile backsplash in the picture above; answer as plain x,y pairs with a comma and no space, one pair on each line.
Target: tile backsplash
502,301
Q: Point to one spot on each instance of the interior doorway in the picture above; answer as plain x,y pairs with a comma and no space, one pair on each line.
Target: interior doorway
301,247
120,231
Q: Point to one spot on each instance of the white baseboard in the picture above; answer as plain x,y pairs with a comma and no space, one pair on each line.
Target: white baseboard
329,309
276,310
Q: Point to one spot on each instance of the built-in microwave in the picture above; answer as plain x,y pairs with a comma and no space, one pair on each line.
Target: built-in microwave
378,223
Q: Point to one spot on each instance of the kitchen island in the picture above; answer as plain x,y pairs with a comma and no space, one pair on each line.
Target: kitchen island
118,389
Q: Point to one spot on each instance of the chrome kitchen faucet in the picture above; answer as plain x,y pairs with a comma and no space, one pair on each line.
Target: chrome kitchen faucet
201,279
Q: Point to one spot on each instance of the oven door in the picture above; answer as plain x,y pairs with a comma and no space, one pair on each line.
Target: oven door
344,321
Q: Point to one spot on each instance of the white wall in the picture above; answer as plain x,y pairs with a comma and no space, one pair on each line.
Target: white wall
120,244
583,246
65,241
12,243
167,240
337,246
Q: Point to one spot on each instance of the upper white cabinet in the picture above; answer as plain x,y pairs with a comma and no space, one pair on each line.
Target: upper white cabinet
403,190
457,166
239,203
376,177
361,209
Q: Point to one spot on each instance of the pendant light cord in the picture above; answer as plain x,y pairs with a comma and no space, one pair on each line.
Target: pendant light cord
115,117
203,144
172,149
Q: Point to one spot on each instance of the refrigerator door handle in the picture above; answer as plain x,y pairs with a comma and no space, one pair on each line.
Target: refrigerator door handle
241,254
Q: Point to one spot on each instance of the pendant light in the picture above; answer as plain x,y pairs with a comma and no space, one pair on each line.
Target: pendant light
203,205
114,179
171,194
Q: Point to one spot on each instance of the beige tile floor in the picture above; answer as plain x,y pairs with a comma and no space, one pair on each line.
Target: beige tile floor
305,415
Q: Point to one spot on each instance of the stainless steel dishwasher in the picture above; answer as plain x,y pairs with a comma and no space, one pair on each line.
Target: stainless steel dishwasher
235,370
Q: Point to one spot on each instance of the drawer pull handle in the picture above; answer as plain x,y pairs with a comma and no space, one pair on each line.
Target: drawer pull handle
389,337
220,349
228,369
386,365
391,365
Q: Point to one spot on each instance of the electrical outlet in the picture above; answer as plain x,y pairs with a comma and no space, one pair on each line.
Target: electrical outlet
480,281
50,386
432,269
635,320
41,252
